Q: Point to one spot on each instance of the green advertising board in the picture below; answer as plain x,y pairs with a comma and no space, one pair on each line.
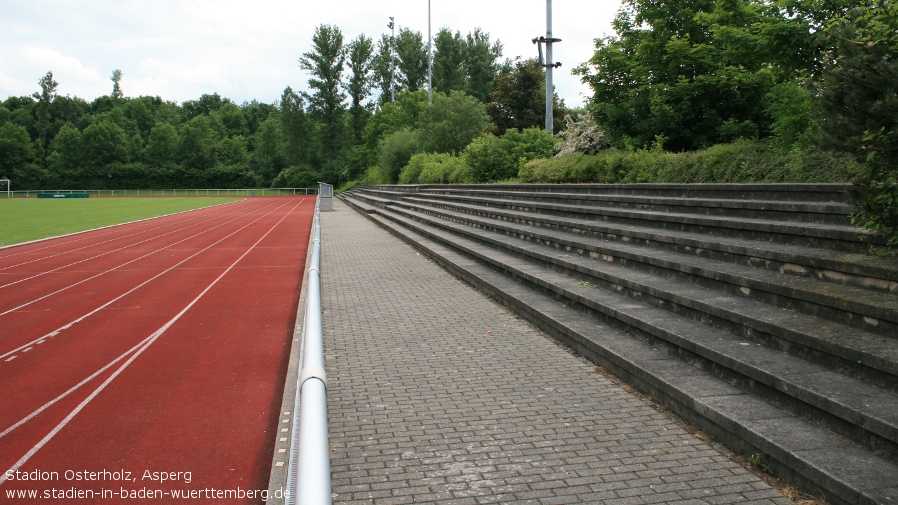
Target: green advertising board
63,195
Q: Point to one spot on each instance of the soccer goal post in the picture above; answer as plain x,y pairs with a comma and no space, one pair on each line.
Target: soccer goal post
8,187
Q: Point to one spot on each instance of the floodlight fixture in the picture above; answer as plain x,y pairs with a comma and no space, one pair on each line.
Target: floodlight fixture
548,64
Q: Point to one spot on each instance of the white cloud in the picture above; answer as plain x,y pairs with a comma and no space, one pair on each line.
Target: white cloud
23,65
180,49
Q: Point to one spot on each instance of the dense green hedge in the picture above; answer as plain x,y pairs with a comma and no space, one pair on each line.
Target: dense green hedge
136,176
739,162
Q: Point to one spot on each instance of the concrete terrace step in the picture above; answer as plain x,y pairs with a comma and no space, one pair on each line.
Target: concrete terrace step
812,212
827,236
875,310
797,449
857,270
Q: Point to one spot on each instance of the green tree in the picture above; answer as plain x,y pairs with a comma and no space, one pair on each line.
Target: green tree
199,144
68,109
518,100
232,119
15,149
162,147
296,127
381,65
42,110
116,79
268,157
696,72
105,142
452,123
481,64
449,61
66,149
859,94
360,52
325,63
233,151
206,104
412,59
256,113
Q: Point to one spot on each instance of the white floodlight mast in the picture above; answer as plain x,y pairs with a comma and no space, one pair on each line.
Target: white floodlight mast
392,26
549,67
429,59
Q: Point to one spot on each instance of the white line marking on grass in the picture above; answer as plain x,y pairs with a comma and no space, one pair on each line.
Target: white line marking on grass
143,347
101,307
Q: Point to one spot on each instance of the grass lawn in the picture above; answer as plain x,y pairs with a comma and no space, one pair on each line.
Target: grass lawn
24,219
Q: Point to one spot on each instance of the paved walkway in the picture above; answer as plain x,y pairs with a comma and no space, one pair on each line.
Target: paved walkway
436,394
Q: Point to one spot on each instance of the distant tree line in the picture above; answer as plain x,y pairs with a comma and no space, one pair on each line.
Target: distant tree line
354,117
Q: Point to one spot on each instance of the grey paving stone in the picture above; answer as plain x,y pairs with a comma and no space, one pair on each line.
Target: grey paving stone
438,395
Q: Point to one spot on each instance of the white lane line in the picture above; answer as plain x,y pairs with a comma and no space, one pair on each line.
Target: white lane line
149,341
82,281
94,230
94,244
99,256
73,388
101,307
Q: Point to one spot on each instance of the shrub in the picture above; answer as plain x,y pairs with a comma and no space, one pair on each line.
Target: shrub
582,136
296,177
396,150
411,171
492,158
740,162
440,168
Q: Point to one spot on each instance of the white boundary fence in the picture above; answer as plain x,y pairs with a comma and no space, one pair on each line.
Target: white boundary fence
171,192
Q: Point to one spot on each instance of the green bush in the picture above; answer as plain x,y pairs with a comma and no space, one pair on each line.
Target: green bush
296,177
411,171
438,168
739,162
492,158
396,150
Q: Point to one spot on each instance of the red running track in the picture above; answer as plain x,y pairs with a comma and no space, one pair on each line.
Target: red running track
149,359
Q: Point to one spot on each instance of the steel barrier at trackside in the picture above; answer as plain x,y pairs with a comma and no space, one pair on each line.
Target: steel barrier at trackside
309,468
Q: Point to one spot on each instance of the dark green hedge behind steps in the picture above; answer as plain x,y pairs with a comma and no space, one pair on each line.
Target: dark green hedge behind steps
739,162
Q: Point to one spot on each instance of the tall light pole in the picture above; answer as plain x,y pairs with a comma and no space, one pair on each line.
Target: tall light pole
392,26
429,59
548,64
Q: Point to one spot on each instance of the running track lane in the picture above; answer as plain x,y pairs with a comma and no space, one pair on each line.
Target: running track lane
46,305
188,375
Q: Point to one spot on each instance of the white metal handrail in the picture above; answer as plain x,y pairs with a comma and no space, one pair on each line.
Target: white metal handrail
309,470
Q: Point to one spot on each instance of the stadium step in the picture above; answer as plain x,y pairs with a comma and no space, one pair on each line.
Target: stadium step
781,344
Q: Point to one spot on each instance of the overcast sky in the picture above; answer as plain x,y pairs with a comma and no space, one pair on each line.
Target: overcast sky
244,50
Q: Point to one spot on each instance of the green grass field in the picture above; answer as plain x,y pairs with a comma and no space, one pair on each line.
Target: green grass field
24,219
